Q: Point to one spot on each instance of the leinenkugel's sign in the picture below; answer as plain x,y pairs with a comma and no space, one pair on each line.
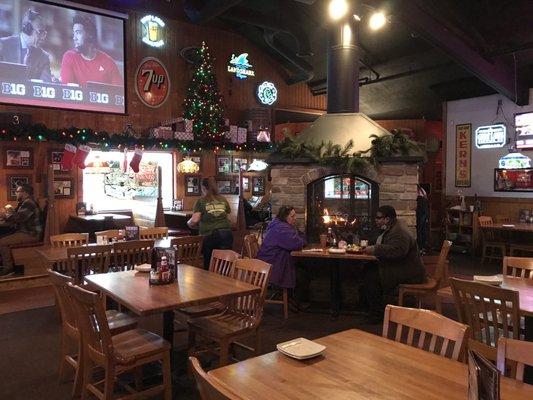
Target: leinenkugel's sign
463,155
152,82
491,136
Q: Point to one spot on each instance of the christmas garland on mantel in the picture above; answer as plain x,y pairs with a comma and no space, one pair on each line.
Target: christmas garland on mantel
105,141
344,159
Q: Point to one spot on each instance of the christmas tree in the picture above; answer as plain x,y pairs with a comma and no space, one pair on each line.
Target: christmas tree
203,101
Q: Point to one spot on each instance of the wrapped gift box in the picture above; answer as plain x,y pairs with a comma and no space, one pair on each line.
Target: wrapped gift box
184,135
163,132
188,125
241,135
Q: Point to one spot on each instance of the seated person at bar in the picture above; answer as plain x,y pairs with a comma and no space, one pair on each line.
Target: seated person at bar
280,239
211,216
398,261
25,221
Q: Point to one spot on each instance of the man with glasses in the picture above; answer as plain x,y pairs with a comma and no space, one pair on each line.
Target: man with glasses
26,223
398,261
26,47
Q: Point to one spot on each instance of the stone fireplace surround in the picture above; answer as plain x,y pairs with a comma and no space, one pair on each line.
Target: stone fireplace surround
397,186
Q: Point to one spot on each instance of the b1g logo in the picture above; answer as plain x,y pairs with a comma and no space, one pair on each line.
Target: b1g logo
152,82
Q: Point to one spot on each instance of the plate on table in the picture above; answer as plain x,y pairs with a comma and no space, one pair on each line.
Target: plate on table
336,251
490,279
301,348
143,268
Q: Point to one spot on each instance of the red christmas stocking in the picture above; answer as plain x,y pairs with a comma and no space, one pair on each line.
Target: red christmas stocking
67,160
136,160
81,155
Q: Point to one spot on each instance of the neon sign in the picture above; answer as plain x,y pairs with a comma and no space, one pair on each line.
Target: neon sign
491,136
240,66
152,30
267,93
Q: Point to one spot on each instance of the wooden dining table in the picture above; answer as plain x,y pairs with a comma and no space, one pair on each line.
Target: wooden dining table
335,285
356,365
513,227
193,286
54,255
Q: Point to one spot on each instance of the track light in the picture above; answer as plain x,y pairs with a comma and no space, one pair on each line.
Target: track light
377,20
337,9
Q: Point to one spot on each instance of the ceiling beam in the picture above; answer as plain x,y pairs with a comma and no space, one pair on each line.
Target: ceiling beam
496,73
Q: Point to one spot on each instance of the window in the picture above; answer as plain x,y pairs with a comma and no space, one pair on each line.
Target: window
106,187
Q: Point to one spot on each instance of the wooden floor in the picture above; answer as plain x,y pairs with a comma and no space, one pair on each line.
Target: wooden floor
26,299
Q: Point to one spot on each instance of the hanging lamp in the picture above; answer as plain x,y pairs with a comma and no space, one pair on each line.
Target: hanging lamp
188,166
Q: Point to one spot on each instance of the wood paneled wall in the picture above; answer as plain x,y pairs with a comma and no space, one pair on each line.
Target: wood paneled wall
239,95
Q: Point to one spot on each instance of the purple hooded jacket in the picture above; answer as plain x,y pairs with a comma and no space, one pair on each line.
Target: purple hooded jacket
280,239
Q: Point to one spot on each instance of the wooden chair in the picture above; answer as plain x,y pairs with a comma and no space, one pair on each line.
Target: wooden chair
431,329
127,351
189,250
242,315
118,322
491,241
69,239
221,263
515,355
153,233
107,236
490,311
521,267
503,219
209,388
130,253
433,283
85,260
250,249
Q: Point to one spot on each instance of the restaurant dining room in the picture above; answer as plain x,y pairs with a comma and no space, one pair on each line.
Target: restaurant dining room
279,200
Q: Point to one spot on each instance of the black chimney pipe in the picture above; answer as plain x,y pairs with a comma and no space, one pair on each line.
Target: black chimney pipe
343,68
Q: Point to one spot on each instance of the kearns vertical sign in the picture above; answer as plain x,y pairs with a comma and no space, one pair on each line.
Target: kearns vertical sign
463,155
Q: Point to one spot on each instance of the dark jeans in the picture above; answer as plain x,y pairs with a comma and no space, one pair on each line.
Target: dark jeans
218,239
373,290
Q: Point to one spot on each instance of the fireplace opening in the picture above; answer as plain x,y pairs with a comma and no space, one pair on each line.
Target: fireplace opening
345,203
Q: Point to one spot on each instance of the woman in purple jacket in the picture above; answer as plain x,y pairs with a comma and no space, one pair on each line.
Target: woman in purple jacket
280,239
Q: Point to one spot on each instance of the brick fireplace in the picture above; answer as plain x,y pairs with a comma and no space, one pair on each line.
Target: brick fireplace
395,182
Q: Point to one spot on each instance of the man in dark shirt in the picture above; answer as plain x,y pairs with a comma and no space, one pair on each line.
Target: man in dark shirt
26,224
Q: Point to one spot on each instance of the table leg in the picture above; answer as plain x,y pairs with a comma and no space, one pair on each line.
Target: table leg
335,290
168,327
528,371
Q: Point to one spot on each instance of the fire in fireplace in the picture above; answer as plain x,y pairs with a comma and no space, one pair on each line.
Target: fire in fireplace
344,203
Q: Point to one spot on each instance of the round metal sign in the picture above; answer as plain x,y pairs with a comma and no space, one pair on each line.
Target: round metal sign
152,82
267,93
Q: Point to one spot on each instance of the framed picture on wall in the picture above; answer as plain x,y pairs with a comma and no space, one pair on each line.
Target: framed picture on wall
197,160
64,188
18,157
224,187
54,158
192,185
223,164
14,181
245,184
258,185
239,161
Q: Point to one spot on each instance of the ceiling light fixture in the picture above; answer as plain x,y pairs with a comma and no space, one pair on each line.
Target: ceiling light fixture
377,20
337,9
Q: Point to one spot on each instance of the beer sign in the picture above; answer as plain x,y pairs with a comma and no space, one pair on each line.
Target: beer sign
152,30
463,155
491,136
152,82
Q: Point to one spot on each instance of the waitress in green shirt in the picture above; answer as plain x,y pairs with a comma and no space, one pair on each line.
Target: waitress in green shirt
211,217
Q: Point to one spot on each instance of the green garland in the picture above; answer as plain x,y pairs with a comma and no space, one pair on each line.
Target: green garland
344,159
106,141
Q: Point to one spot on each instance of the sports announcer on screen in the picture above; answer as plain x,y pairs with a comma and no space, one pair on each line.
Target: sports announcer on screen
87,63
26,47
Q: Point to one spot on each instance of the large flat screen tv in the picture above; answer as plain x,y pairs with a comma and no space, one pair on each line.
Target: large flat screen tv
524,130
53,54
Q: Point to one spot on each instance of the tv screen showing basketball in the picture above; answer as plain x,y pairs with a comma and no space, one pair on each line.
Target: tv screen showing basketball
52,55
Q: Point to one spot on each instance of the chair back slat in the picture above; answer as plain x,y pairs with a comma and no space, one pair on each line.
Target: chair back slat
257,273
69,239
441,271
85,260
491,312
66,307
431,331
107,236
154,233
520,267
513,356
222,262
92,322
130,253
209,389
189,249
250,246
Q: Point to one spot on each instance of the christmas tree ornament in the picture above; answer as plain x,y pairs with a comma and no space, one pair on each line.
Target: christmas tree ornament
69,154
136,160
81,155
